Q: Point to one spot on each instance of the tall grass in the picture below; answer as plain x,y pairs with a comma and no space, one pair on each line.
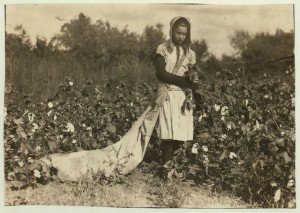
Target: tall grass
29,73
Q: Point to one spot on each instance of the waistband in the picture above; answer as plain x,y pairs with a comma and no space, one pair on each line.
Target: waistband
169,87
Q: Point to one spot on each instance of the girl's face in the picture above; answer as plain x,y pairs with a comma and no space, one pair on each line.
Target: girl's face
180,34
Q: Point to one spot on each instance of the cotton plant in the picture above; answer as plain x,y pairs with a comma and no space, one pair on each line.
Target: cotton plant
70,127
222,137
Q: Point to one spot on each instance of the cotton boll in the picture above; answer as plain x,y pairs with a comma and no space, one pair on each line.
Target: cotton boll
21,163
217,107
205,148
195,148
232,155
50,105
200,118
229,126
49,113
36,173
291,183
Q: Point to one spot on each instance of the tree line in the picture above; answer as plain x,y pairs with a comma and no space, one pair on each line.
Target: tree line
84,50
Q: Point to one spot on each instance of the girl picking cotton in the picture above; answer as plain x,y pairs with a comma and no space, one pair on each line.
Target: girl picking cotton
174,59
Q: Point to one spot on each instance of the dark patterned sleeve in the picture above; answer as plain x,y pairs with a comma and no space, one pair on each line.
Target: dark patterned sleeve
163,75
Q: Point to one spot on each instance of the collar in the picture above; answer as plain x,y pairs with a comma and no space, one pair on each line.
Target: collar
170,46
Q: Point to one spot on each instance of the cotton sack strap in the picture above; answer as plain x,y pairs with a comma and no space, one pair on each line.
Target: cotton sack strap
178,64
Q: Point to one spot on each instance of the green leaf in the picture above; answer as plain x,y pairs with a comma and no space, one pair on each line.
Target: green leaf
94,144
224,154
214,165
21,133
277,195
18,121
280,141
258,161
231,100
204,136
53,146
112,129
193,169
170,174
109,143
285,156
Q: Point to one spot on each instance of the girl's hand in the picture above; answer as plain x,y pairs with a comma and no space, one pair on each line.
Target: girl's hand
194,77
193,73
193,80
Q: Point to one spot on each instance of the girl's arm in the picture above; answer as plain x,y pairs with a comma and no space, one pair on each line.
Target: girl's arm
163,75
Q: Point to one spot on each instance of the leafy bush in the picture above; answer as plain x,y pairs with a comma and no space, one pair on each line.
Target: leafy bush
244,132
91,117
244,139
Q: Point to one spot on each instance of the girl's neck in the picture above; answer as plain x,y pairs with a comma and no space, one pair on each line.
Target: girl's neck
178,45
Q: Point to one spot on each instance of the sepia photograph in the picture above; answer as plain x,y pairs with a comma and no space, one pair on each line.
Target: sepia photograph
164,105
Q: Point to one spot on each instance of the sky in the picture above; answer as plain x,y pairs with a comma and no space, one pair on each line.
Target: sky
214,23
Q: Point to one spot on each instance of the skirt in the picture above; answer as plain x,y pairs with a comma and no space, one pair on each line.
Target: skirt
173,124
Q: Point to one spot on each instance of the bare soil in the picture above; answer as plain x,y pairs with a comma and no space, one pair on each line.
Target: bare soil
138,189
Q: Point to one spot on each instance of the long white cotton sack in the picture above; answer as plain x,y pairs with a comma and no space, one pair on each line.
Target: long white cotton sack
121,157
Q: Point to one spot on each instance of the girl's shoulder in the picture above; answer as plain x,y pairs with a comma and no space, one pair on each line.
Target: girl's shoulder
163,49
191,51
161,46
191,56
